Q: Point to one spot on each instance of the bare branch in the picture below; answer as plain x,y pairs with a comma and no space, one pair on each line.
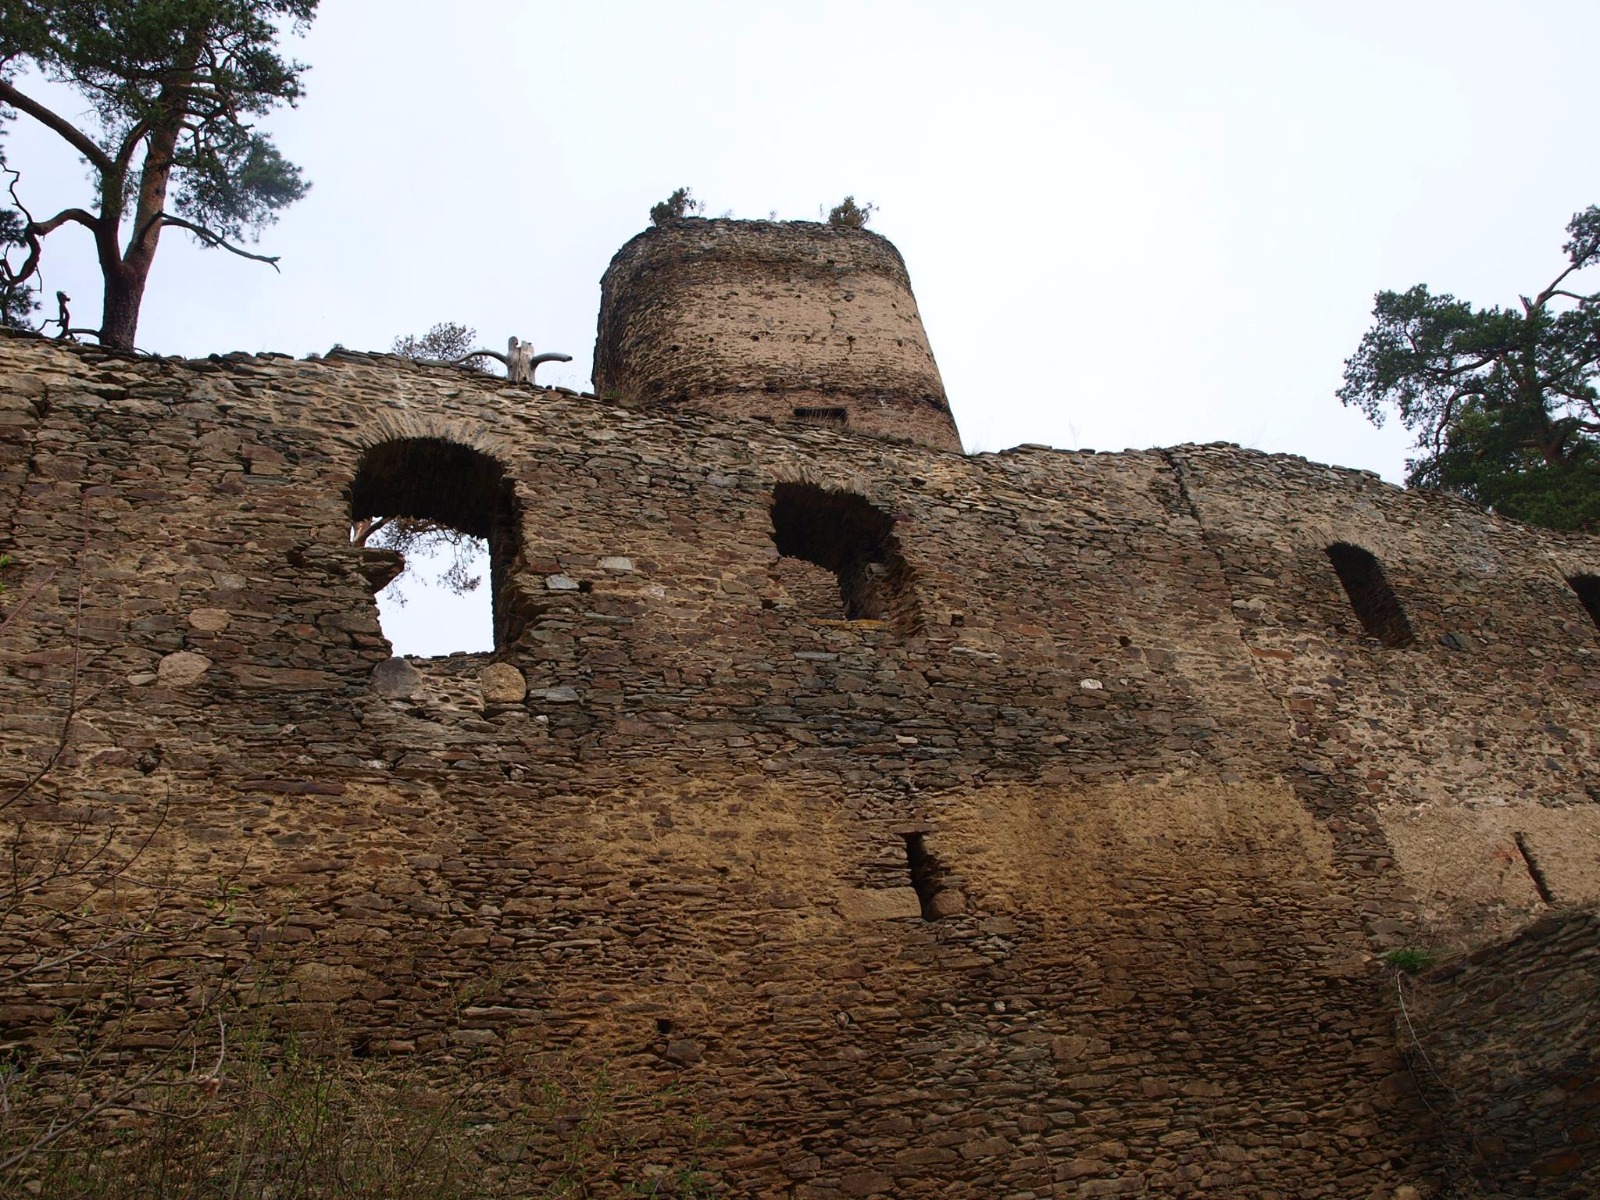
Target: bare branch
80,141
210,239
366,527
77,653
115,1097
30,264
1462,369
1550,289
16,609
45,228
504,360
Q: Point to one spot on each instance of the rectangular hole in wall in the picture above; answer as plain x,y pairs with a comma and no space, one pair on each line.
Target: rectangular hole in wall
928,879
822,416
853,540
435,520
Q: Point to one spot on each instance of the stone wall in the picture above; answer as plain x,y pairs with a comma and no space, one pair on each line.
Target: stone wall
1474,748
1503,1041
787,320
1131,754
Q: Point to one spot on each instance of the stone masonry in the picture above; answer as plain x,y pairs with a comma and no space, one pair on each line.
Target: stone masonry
781,319
1017,825
1503,1041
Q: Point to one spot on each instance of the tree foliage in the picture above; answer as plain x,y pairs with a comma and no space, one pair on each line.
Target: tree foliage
850,214
457,558
445,342
17,302
174,89
1502,401
17,296
675,207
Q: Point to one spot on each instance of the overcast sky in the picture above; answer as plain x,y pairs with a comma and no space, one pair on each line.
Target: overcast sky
1126,224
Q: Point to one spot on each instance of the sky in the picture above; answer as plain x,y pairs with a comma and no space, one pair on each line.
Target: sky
1127,225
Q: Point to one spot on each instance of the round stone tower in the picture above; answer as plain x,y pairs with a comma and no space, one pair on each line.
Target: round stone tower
790,320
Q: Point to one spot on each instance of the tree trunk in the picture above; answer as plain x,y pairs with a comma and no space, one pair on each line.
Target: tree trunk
126,279
119,317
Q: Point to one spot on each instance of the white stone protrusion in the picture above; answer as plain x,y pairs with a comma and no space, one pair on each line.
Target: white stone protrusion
501,683
209,620
182,668
879,904
396,678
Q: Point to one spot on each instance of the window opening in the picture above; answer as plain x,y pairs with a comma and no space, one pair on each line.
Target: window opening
437,523
853,541
822,416
1374,601
1588,589
927,878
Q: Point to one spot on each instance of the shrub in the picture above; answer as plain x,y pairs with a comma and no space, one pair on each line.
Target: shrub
675,207
1409,960
851,215
445,342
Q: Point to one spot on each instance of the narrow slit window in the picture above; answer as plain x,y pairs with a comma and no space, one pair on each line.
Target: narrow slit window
438,528
836,417
822,534
1375,603
1588,589
934,895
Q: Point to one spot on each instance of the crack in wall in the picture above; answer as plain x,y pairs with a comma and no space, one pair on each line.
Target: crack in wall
1540,884
1193,510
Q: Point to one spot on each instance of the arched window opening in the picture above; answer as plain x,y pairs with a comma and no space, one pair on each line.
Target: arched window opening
1379,609
439,522
853,542
1588,589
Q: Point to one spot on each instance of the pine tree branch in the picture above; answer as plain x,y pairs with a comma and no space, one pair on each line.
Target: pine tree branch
209,238
131,143
80,141
30,264
44,228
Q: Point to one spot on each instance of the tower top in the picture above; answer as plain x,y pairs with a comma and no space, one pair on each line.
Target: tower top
791,320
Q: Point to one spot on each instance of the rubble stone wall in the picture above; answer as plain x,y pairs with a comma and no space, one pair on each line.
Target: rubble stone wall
1475,748
1503,1041
1162,798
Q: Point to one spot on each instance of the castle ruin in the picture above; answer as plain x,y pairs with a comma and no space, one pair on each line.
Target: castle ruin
1018,825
